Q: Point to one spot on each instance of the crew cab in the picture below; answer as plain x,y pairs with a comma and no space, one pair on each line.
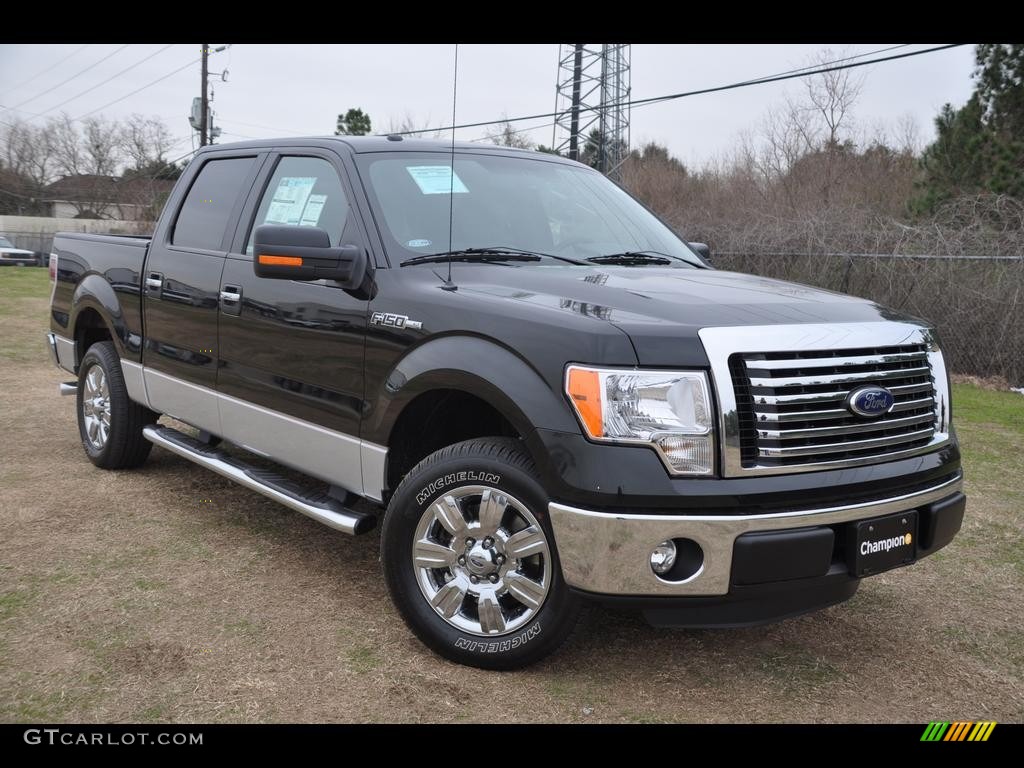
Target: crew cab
540,392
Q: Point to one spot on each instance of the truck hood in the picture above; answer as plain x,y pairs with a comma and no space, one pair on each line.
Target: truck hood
662,309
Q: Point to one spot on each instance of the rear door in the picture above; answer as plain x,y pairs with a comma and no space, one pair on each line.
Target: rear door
181,285
291,353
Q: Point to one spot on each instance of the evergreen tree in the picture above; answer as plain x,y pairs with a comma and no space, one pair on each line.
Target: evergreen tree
980,146
355,122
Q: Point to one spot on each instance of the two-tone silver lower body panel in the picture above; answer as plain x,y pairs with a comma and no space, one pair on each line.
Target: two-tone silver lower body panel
334,457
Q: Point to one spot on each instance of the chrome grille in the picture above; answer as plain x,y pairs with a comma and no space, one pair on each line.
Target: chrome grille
791,406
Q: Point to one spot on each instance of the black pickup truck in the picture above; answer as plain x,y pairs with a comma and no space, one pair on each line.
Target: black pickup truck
543,393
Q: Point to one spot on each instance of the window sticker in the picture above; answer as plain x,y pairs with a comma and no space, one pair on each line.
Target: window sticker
311,213
436,179
289,200
420,243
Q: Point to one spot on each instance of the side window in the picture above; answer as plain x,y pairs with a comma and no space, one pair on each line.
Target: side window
208,204
304,192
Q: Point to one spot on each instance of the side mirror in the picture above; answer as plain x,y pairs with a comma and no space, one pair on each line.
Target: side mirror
305,253
702,250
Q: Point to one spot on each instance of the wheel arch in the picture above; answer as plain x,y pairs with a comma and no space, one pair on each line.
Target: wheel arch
96,316
497,392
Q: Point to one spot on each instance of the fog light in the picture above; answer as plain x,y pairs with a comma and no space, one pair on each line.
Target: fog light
663,557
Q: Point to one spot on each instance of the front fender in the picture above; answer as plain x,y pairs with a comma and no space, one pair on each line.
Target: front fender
95,293
479,367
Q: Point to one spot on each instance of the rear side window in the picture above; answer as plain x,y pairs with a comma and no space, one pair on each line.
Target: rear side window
209,202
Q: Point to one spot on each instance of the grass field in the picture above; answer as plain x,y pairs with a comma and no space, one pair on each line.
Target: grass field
170,594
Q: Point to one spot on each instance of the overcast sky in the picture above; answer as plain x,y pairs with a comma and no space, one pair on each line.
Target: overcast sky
279,90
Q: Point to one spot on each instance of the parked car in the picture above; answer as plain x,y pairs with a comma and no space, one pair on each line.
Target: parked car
544,394
13,256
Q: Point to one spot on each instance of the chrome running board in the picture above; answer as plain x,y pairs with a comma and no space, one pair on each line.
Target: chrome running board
319,506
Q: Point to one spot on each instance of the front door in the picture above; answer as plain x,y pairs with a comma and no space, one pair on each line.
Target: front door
291,353
181,282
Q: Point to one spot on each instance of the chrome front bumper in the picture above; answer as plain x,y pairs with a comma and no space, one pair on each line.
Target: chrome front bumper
609,553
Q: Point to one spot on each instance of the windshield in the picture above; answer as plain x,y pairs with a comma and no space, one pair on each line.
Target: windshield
511,202
5,243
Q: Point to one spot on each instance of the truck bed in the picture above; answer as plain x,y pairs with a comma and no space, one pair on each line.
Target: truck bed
109,268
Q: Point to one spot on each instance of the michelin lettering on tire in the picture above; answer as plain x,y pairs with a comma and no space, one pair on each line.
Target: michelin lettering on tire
429,490
500,646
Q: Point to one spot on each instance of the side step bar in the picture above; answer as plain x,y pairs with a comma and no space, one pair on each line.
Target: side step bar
318,506
69,388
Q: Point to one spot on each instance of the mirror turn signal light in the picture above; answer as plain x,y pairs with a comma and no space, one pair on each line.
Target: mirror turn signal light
281,261
584,388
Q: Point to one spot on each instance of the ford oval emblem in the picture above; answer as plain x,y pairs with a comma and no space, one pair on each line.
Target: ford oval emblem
870,402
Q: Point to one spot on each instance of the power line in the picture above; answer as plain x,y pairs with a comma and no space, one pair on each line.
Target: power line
104,82
699,92
77,74
53,66
137,90
751,82
264,127
834,61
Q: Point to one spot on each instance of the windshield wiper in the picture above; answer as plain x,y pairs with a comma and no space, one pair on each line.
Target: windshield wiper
495,254
653,258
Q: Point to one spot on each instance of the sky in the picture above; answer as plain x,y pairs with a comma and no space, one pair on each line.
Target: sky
288,90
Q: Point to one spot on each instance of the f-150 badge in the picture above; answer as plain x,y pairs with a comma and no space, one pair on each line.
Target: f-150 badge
394,321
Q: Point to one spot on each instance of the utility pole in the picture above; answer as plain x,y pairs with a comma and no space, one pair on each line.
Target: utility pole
205,108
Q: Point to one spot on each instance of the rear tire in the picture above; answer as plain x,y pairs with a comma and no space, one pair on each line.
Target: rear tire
469,557
109,422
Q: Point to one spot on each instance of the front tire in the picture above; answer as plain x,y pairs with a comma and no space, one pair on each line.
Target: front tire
109,422
470,560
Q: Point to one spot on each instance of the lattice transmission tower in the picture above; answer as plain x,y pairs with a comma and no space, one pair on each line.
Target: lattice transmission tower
591,105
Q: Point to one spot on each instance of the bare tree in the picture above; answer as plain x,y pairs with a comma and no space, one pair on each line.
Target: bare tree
102,146
68,154
92,155
832,96
144,141
504,135
411,126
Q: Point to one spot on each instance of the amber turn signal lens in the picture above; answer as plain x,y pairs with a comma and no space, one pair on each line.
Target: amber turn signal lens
280,261
584,388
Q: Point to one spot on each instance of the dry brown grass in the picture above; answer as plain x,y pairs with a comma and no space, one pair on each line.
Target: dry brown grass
126,596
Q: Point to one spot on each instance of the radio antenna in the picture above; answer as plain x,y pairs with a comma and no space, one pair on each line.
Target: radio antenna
448,285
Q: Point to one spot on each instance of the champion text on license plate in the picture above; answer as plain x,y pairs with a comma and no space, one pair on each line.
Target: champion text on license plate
882,543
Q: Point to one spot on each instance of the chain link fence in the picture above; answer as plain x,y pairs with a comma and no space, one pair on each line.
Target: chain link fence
975,302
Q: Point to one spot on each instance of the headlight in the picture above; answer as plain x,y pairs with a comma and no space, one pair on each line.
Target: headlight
669,410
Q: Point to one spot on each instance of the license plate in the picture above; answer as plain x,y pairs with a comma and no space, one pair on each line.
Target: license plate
883,543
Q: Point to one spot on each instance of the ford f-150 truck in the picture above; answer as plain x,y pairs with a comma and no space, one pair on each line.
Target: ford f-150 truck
542,392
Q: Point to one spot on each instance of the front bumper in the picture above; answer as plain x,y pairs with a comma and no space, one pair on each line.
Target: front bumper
609,553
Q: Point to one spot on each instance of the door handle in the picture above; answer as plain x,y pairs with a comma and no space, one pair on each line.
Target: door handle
231,300
154,281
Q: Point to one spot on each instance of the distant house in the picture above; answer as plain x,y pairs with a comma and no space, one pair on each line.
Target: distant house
88,196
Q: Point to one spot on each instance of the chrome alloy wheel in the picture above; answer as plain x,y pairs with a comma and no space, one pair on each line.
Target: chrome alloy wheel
96,407
482,560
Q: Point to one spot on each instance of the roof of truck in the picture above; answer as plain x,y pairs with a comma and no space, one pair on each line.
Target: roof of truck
392,143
